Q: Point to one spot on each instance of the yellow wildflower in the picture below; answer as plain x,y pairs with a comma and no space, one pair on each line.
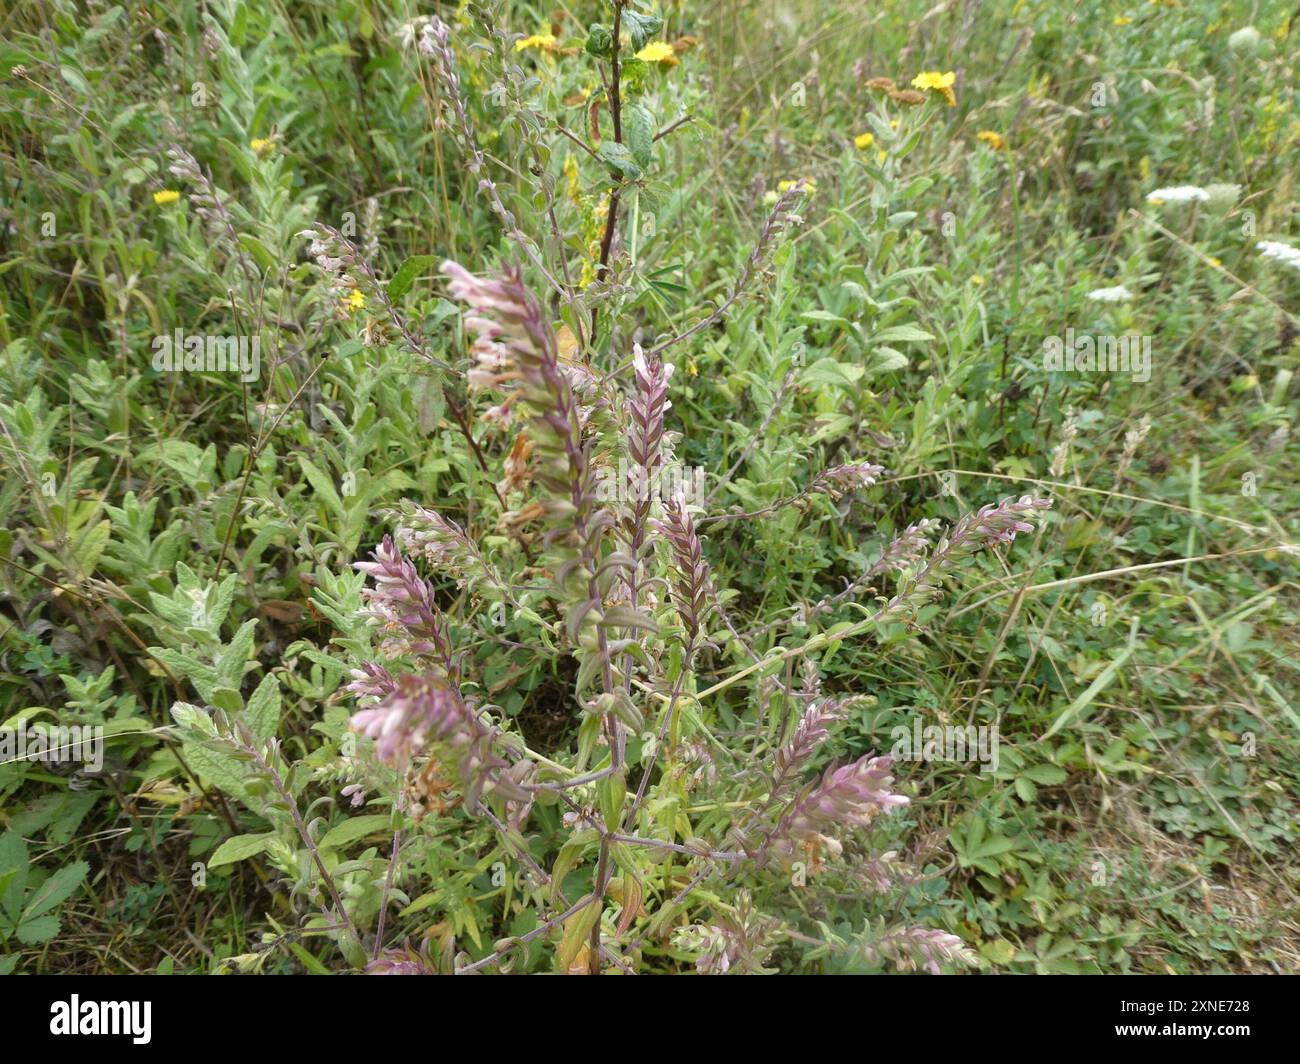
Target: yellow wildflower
571,172
166,196
566,344
992,139
545,41
809,182
592,232
354,301
864,140
1121,20
977,279
657,52
934,81
261,146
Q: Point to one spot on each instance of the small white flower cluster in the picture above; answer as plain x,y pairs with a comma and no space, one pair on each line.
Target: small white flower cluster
1116,294
1179,194
1279,252
1223,195
414,29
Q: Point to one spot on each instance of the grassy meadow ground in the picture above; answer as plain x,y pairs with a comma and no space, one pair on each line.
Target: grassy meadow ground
188,537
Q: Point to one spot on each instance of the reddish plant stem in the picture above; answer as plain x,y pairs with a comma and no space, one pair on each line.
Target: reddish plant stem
606,243
616,115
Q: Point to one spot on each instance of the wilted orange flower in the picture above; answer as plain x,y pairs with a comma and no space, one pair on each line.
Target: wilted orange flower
910,97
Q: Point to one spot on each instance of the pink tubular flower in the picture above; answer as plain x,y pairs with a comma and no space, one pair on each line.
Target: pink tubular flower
847,797
515,349
418,709
403,604
371,681
992,525
996,523
404,960
842,479
738,943
905,550
513,341
428,708
689,585
646,407
910,947
813,730
442,542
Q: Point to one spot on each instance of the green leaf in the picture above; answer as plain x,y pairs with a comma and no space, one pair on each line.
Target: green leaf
619,159
1103,680
232,659
827,317
1047,775
828,371
240,848
228,700
999,951
55,890
73,77
322,485
354,828
886,360
13,858
7,877
91,546
407,273
263,710
42,929
260,251
640,28
626,617
421,903
577,929
191,718
639,133
610,793
217,768
897,333
600,41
